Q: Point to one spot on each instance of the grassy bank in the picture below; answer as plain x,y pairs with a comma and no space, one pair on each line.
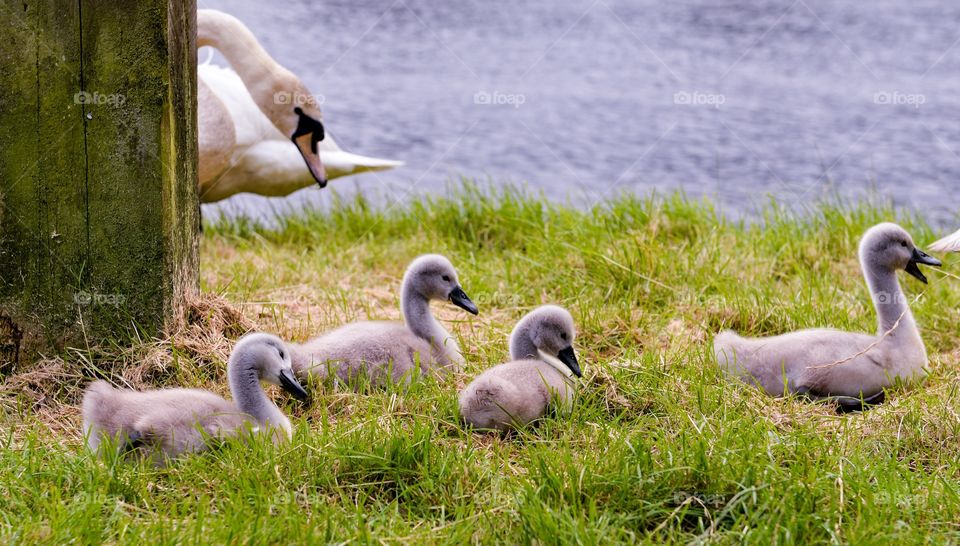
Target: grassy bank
660,447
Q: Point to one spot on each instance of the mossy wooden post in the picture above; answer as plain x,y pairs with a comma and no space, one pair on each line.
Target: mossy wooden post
98,160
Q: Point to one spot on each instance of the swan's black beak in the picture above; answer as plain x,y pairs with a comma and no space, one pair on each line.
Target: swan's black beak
290,384
568,357
308,133
459,298
921,257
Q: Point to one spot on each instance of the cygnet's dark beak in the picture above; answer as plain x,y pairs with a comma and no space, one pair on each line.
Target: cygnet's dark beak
459,298
849,404
290,384
568,357
921,257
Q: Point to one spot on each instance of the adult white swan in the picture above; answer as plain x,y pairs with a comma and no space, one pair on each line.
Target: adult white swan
248,116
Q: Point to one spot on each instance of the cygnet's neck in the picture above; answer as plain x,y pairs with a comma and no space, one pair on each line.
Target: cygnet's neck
523,348
249,396
521,343
888,299
556,364
419,319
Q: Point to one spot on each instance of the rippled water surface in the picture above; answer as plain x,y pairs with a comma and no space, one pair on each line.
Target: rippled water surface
583,99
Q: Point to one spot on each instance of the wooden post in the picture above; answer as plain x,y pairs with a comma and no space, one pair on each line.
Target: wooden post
98,171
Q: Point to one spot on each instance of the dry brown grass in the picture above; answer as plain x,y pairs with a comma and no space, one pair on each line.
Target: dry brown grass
53,386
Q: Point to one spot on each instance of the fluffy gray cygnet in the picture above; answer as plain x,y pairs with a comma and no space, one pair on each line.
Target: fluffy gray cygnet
379,351
516,393
163,424
850,368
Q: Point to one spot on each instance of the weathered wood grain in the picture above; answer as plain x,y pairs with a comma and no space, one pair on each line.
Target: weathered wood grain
98,211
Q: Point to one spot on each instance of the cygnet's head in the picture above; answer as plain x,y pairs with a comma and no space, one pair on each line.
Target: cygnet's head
550,329
433,277
269,357
889,247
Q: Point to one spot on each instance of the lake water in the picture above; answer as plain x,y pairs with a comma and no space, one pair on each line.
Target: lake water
736,100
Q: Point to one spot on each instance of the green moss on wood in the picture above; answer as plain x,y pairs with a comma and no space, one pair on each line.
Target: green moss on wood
98,167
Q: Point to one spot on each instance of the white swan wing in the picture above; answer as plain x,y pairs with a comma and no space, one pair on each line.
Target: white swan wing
250,124
253,127
950,243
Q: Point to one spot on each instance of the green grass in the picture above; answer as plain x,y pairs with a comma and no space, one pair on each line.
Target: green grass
659,448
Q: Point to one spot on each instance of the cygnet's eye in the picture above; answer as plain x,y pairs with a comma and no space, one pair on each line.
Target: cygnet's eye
904,244
563,336
281,353
446,278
